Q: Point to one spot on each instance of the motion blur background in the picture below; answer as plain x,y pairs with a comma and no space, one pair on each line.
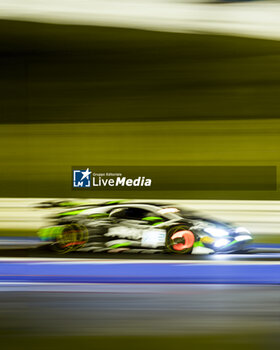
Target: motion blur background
136,83
118,82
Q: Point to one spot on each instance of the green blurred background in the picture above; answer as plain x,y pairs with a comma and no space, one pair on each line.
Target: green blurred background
72,95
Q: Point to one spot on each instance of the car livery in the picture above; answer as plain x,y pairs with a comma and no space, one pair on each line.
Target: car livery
136,227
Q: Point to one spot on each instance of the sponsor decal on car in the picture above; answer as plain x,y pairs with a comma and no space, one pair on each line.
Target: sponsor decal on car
207,240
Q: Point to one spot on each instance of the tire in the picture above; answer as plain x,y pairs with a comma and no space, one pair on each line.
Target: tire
71,237
179,240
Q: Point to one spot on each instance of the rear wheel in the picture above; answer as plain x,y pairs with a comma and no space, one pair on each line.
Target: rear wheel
179,240
71,237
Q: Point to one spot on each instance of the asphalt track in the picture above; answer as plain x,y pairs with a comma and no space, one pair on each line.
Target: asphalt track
46,296
139,309
151,295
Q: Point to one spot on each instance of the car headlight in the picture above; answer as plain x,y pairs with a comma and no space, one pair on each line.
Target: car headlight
216,232
221,242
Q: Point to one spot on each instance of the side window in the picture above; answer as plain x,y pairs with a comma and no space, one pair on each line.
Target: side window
128,213
136,214
119,213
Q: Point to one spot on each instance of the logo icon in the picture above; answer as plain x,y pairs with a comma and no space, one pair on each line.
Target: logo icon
81,178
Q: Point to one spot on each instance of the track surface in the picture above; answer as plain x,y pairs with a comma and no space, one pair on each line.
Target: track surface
140,309
182,295
40,270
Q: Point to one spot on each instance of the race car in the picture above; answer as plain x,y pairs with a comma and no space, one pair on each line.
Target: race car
136,227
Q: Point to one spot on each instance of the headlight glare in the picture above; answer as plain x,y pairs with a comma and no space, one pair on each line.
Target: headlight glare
221,242
216,232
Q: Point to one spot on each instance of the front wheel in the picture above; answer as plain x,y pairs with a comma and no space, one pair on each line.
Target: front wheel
179,240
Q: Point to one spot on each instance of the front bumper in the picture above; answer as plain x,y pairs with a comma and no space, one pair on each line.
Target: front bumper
227,244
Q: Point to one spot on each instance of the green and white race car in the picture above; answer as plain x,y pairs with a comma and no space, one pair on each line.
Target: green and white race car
133,227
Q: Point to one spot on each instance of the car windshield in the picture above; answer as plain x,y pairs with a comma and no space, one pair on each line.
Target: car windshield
132,213
175,212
